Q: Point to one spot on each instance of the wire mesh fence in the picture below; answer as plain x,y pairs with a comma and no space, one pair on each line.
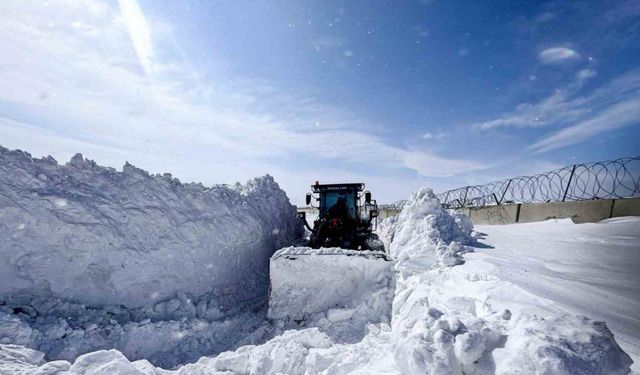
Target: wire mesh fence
618,178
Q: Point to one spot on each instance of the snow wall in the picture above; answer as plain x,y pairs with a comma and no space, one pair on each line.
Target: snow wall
96,236
432,331
337,290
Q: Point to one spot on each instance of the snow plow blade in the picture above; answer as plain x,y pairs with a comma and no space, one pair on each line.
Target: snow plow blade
330,283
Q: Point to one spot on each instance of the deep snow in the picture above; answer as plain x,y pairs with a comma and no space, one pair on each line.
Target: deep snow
440,323
557,266
94,258
339,291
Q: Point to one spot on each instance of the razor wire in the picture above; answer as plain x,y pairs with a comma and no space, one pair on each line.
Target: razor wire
610,179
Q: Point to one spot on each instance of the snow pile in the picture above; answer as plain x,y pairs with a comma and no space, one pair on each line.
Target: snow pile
93,258
166,343
423,229
340,291
436,330
91,234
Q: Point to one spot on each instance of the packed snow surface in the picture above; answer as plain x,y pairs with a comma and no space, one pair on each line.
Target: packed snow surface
92,258
556,266
451,314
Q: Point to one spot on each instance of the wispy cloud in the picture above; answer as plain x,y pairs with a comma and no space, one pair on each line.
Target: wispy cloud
79,83
620,115
613,106
556,55
434,166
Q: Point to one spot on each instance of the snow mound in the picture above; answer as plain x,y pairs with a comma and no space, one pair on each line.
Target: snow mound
436,330
90,234
423,229
340,291
93,258
561,344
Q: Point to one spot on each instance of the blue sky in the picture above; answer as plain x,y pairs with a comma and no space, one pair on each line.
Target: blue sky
396,94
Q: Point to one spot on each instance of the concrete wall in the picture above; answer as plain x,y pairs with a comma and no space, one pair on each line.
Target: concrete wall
579,211
503,214
626,207
387,212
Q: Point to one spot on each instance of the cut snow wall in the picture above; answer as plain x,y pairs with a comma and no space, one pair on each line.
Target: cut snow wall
338,290
101,237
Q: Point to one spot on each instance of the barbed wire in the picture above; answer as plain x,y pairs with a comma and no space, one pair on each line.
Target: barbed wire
618,178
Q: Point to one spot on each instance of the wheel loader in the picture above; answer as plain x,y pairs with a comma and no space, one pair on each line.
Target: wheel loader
346,217
343,266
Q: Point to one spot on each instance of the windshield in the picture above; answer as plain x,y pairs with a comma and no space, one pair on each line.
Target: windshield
332,197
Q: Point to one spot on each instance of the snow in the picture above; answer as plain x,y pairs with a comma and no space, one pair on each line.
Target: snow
493,301
557,266
340,291
93,258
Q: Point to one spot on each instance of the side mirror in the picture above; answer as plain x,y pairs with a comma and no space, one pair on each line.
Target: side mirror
367,196
308,199
373,213
302,215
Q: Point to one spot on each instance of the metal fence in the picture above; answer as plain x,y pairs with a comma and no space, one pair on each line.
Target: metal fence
600,180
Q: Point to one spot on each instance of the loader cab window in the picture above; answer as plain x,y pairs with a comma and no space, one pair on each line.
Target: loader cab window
333,198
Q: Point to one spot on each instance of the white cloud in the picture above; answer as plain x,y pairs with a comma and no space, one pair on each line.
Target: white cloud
556,55
620,115
613,106
427,135
434,166
586,74
84,90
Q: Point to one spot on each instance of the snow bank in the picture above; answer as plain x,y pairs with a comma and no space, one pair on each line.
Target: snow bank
340,291
92,258
435,328
100,237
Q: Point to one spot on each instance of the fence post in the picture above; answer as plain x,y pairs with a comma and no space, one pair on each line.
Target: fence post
464,200
566,190
505,190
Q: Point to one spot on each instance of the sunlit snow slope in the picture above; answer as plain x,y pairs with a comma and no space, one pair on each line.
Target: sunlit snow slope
94,258
98,236
588,269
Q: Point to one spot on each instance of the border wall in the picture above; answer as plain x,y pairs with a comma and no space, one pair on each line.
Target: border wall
578,211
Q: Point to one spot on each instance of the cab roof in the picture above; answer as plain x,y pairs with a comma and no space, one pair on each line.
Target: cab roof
359,186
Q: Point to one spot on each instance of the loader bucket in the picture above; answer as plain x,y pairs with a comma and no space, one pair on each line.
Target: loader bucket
330,285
